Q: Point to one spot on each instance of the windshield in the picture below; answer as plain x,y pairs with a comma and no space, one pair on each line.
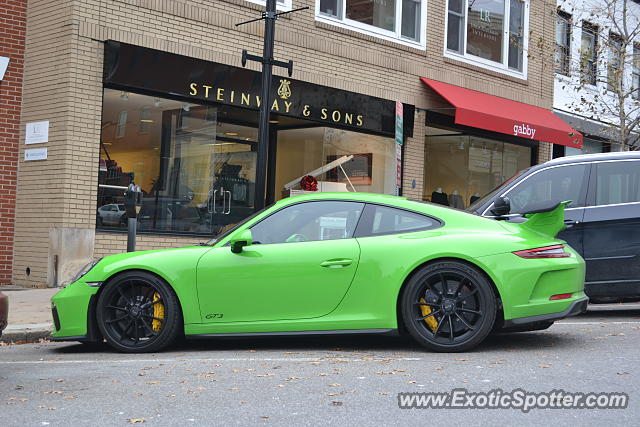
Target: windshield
225,233
482,200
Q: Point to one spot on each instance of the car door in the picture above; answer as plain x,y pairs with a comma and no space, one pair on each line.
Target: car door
556,183
612,225
300,265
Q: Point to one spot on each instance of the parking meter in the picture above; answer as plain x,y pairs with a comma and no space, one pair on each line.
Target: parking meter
132,206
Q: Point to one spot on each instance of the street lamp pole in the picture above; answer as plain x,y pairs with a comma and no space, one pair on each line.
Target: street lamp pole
267,61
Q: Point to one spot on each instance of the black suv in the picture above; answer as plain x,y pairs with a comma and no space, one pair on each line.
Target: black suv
603,220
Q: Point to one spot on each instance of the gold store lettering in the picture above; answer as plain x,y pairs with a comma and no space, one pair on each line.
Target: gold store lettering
248,99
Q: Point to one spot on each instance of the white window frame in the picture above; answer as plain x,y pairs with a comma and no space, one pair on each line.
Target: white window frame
285,5
393,36
486,63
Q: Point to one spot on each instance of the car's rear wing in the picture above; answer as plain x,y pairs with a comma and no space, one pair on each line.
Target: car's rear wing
546,219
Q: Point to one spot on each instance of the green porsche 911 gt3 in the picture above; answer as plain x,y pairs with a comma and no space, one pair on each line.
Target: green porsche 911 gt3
334,263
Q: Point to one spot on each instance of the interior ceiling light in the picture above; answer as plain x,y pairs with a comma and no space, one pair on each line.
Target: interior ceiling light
107,143
146,120
273,121
231,133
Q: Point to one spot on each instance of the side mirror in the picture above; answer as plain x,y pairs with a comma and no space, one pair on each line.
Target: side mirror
501,206
243,239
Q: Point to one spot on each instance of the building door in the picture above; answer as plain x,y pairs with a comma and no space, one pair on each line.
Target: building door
207,173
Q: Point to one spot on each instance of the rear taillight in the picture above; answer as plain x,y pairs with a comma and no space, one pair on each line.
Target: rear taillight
559,297
555,251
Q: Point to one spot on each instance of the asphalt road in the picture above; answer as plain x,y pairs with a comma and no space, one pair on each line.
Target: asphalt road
323,380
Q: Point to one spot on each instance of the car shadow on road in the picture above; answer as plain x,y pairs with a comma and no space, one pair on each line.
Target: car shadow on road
376,344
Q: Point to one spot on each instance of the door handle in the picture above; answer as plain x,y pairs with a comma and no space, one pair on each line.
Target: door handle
229,203
334,263
571,222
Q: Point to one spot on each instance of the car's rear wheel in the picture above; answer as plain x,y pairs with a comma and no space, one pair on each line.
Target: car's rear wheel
448,306
138,312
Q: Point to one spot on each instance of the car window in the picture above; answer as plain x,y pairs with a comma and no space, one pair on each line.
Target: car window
309,221
380,220
617,182
549,185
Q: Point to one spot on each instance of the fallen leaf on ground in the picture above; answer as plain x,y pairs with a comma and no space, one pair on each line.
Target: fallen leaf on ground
336,403
136,420
334,385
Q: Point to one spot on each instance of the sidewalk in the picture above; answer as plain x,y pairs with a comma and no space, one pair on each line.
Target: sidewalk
29,314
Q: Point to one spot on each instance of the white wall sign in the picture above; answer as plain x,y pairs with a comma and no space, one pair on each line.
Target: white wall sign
4,63
37,133
35,154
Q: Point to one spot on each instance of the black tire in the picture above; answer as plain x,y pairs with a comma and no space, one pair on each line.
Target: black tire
128,300
461,301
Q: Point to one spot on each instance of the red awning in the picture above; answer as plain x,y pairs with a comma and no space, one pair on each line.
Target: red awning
479,110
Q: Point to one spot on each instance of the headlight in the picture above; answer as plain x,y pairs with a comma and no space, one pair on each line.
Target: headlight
84,270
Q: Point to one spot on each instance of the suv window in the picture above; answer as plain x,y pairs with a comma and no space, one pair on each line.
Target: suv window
308,222
556,184
617,182
380,220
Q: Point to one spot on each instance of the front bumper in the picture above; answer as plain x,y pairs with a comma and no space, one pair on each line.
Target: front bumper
71,312
578,306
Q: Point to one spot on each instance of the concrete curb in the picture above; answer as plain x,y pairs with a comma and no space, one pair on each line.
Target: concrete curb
23,336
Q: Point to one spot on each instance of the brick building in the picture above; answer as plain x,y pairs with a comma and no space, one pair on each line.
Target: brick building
153,91
13,18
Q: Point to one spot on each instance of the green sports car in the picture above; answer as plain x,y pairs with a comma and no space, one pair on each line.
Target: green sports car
334,263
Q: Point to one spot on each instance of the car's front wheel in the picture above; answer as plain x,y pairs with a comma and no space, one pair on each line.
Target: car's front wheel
138,312
448,306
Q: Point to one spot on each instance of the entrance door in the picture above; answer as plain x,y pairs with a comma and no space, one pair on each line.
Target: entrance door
207,171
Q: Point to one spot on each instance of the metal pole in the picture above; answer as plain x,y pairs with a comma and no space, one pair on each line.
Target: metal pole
131,234
265,107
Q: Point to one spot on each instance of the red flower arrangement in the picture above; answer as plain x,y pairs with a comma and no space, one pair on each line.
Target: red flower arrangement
309,183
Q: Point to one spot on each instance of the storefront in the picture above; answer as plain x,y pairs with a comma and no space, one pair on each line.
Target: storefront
187,134
597,137
480,141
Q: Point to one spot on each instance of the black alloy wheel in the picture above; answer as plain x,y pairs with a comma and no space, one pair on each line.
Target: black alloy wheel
448,306
138,312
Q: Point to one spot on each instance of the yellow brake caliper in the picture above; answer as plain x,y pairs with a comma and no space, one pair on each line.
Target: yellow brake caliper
431,322
158,312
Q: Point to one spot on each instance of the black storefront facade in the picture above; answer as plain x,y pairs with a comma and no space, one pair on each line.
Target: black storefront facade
186,131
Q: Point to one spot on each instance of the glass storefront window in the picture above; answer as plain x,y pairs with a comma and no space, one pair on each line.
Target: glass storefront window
372,169
459,169
195,164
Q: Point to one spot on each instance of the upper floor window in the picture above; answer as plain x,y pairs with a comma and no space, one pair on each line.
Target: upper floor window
563,43
398,20
491,32
636,71
616,57
588,53
280,4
